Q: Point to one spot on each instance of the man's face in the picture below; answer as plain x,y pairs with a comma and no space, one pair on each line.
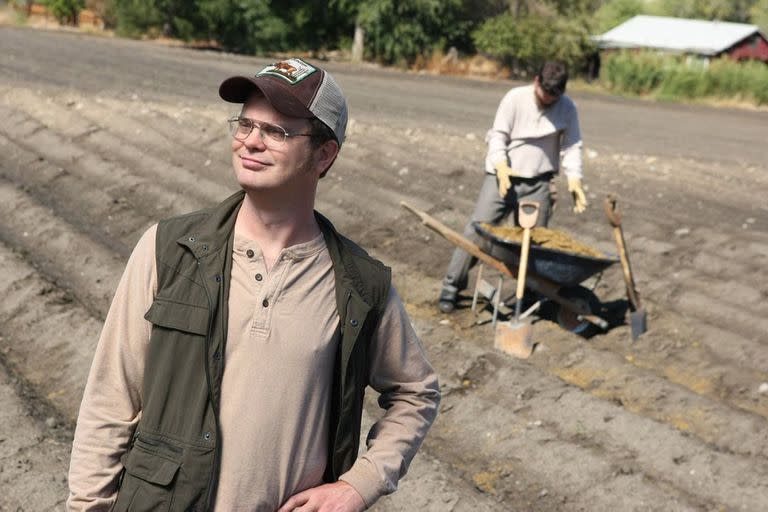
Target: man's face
543,98
264,165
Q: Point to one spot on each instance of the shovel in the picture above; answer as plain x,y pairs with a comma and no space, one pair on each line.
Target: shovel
516,338
637,316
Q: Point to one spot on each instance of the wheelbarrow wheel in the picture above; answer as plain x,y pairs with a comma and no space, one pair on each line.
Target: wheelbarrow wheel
569,320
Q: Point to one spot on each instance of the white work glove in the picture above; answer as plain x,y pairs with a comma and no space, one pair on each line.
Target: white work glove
579,197
504,174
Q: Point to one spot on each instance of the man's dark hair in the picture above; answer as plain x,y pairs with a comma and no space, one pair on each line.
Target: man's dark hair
321,134
553,75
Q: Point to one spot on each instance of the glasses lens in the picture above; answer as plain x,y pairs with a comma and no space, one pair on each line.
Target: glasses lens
240,127
272,134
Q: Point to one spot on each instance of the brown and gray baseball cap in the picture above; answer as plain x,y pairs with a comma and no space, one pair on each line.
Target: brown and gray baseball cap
294,88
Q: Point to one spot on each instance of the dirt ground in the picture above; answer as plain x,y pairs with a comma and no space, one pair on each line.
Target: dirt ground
101,137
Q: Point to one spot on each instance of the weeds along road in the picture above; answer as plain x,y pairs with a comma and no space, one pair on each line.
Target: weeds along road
100,138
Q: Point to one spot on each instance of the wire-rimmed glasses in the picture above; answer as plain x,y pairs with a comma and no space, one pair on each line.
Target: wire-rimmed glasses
272,134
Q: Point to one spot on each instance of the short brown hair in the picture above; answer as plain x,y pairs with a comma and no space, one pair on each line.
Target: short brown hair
321,134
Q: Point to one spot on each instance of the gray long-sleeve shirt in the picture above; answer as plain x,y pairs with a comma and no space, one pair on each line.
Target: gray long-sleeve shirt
531,139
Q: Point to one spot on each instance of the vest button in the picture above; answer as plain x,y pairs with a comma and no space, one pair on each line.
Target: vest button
353,322
259,277
249,253
207,436
265,303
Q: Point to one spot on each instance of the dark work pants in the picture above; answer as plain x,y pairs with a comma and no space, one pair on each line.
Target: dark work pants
492,209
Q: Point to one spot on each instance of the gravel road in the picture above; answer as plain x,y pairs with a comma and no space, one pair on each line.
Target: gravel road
102,137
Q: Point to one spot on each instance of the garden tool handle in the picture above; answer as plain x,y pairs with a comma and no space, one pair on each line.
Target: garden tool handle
527,216
614,218
611,211
523,265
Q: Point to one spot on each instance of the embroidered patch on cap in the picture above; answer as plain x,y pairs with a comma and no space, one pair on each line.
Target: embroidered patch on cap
290,70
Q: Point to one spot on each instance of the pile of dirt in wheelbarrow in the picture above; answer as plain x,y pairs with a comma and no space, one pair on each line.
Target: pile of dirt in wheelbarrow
546,238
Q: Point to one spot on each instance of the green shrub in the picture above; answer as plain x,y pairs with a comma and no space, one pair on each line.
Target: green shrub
678,77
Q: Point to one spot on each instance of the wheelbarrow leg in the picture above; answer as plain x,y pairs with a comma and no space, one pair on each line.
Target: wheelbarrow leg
477,288
498,300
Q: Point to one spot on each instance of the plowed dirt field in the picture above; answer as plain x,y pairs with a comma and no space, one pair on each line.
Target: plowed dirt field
99,138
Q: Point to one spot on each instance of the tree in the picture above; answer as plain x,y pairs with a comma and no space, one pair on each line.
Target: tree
759,15
401,30
615,12
65,11
523,43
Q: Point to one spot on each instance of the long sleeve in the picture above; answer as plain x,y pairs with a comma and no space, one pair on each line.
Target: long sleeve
409,393
499,136
111,404
572,146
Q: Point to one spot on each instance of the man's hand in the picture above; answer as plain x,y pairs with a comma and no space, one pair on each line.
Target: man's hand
577,192
504,174
335,497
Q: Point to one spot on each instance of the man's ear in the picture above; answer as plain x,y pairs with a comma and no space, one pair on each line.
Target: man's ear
325,155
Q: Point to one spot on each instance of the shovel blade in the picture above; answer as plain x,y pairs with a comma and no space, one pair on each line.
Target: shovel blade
515,339
639,322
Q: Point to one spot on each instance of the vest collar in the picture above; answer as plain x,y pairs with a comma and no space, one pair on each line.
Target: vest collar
213,231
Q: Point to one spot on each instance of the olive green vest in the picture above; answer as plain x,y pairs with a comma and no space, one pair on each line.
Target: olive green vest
172,463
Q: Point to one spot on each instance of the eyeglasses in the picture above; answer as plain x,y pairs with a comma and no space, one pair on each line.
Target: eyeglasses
271,134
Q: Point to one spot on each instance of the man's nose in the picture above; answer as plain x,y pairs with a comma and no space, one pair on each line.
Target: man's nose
254,140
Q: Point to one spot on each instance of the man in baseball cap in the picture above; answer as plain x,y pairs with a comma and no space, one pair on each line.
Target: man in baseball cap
231,369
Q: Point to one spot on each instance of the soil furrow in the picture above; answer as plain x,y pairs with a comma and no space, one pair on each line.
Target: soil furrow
71,258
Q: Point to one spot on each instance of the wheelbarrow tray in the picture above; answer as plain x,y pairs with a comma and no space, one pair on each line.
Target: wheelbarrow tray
564,268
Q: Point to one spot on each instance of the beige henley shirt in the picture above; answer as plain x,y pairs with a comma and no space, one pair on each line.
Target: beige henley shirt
276,385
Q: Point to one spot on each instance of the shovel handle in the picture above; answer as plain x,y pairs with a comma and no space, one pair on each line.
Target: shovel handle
611,211
527,216
614,218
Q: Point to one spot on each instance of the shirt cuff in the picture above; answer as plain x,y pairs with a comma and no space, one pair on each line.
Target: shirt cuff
364,477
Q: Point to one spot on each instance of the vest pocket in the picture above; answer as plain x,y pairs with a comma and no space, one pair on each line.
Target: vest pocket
148,480
179,316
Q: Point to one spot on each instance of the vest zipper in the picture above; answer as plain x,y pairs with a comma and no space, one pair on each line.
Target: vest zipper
217,448
332,448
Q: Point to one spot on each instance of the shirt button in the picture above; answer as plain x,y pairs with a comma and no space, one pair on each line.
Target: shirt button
265,303
259,277
249,253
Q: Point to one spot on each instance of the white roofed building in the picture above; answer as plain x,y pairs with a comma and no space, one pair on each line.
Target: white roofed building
707,39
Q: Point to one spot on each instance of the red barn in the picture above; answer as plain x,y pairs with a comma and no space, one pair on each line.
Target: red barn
707,39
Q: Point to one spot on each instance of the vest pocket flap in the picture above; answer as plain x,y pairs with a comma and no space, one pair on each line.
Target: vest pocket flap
150,466
179,316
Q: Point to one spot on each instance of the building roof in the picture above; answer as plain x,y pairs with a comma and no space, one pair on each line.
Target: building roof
676,34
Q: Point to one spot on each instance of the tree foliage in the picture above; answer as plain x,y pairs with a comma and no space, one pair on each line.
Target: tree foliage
519,32
65,11
400,30
523,43
614,13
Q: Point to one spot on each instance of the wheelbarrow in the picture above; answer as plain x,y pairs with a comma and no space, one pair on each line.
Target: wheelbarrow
565,270
553,274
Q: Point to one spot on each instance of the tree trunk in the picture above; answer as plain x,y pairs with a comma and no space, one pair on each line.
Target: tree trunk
357,44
